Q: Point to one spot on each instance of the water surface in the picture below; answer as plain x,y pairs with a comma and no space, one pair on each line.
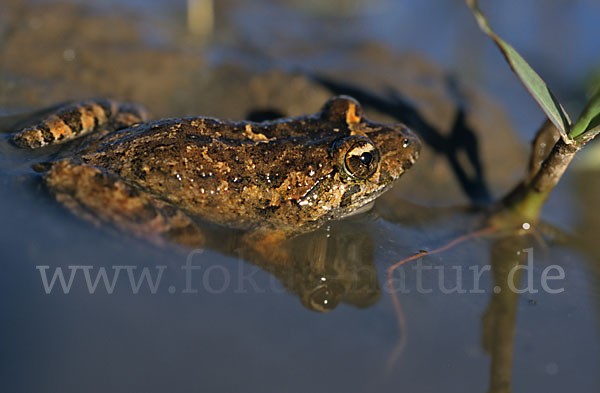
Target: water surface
243,325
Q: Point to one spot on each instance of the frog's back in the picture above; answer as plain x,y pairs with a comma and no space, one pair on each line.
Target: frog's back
232,173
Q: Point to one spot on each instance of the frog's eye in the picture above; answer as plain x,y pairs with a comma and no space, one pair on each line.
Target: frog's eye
360,157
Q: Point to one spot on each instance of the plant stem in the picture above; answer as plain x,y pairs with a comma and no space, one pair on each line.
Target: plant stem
525,202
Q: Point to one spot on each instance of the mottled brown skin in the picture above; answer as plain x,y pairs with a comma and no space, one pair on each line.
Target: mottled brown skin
272,179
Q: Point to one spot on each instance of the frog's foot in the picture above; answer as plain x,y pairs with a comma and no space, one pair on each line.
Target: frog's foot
76,120
103,198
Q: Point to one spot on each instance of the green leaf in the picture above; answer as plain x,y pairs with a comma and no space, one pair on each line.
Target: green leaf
590,112
594,123
529,78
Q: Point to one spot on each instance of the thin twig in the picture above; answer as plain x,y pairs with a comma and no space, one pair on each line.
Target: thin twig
397,307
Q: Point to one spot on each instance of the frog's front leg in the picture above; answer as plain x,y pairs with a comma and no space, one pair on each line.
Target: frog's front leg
103,197
79,119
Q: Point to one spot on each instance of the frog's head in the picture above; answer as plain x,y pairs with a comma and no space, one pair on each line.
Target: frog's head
368,157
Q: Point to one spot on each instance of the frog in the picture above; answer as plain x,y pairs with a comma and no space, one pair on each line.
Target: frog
270,180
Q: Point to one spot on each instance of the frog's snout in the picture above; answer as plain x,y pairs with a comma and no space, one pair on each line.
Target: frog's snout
408,148
412,158
399,148
415,153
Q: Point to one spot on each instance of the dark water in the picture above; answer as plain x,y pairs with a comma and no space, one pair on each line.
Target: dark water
242,325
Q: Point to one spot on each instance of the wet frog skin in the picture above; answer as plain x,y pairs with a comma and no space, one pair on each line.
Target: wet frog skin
272,180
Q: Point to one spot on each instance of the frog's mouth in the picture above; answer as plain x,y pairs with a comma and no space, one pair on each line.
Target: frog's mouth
362,204
360,210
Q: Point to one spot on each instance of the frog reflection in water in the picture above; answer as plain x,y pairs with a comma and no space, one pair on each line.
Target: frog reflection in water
270,181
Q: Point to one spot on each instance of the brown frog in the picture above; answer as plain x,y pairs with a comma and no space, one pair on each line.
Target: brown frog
272,180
